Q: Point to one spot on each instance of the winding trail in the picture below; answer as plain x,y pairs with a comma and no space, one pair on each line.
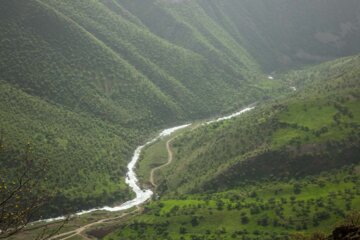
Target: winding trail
142,196
80,231
170,158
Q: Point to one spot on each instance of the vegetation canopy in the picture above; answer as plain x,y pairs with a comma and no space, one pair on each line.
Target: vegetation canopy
84,83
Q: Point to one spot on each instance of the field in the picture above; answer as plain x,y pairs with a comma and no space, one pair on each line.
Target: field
288,167
316,122
261,210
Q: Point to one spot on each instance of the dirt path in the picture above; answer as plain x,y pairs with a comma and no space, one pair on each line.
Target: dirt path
80,230
170,158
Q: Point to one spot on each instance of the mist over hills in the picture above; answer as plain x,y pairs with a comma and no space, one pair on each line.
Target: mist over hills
277,34
85,81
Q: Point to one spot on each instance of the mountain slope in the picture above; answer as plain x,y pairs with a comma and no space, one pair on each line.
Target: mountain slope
277,34
289,169
313,130
109,73
98,83
84,153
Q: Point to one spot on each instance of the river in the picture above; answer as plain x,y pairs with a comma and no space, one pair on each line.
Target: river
142,195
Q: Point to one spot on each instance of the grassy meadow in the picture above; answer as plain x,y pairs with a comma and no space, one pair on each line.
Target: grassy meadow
261,210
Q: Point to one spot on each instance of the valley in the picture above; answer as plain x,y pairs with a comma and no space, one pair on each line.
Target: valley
86,87
142,196
269,206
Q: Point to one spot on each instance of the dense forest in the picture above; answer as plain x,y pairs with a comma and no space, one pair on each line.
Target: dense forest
84,82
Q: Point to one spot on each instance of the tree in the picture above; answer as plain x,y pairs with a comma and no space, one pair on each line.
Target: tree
21,194
220,205
264,221
194,221
182,230
244,219
297,188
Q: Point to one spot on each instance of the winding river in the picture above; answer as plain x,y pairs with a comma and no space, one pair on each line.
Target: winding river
142,195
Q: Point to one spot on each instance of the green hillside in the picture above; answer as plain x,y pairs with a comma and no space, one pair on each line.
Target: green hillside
277,34
84,152
263,210
313,129
84,85
86,81
293,171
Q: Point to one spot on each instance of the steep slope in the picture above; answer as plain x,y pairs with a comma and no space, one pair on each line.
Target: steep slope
189,26
87,157
278,34
313,130
85,82
88,80
288,169
48,54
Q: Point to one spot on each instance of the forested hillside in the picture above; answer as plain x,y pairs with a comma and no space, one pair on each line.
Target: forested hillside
86,81
314,129
84,85
289,169
277,34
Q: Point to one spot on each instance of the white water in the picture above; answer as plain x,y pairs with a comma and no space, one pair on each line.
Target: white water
231,115
131,178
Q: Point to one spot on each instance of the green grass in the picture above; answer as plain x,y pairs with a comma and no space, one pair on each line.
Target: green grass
155,155
276,200
314,115
105,68
354,109
89,82
285,135
311,115
316,123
